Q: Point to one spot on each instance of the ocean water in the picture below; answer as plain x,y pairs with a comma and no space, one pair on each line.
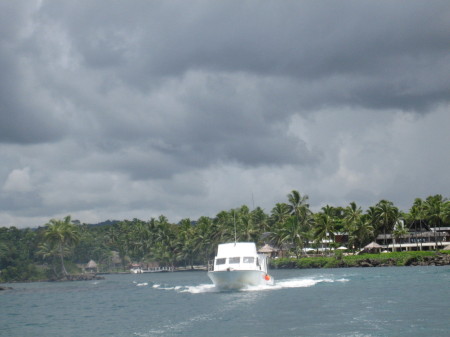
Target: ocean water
403,301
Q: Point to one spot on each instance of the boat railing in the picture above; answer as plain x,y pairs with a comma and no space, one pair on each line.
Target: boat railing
211,265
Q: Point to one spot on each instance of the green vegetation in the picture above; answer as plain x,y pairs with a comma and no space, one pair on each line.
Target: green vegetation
59,237
385,259
63,247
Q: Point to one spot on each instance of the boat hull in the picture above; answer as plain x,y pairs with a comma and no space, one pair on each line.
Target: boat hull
238,279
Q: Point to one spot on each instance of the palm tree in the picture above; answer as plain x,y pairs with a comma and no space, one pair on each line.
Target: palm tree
260,219
138,236
352,213
203,238
246,229
61,235
324,225
185,241
399,231
363,232
435,211
352,222
416,215
49,253
116,238
299,209
279,214
387,216
165,249
290,233
297,202
225,229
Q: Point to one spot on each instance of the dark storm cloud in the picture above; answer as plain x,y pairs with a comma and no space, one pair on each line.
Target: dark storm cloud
377,55
378,51
122,102
23,118
19,202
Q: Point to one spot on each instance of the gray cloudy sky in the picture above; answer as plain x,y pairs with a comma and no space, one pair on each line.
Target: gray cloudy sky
124,109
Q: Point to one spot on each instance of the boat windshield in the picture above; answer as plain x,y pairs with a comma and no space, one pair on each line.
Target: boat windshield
249,259
234,260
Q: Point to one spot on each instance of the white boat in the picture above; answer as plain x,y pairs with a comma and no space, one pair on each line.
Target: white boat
136,270
238,265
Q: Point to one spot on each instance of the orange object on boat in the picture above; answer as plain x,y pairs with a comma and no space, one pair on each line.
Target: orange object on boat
267,277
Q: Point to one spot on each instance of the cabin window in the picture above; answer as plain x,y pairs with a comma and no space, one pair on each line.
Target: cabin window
220,261
249,259
234,260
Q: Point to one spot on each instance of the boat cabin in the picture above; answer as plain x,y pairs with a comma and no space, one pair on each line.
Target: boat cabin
239,256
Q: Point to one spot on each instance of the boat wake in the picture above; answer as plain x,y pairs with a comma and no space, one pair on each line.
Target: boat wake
243,298
294,283
304,282
198,289
280,284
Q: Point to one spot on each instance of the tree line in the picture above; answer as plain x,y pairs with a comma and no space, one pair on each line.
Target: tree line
55,250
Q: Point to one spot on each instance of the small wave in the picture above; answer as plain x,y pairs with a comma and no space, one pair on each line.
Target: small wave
281,284
163,286
201,288
142,284
342,280
176,328
294,283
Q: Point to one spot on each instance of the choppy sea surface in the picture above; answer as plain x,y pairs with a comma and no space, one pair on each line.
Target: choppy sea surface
393,301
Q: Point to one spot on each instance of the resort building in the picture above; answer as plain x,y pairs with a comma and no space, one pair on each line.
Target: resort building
432,239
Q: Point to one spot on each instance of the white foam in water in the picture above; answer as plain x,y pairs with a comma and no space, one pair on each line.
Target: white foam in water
342,280
142,284
294,283
281,284
177,327
202,288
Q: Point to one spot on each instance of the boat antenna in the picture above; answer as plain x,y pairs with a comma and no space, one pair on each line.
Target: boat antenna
234,220
253,201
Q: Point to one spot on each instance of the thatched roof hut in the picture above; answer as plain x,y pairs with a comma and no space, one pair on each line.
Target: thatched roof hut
372,247
91,266
268,250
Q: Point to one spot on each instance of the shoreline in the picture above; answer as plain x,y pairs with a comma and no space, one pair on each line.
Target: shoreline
365,263
404,259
